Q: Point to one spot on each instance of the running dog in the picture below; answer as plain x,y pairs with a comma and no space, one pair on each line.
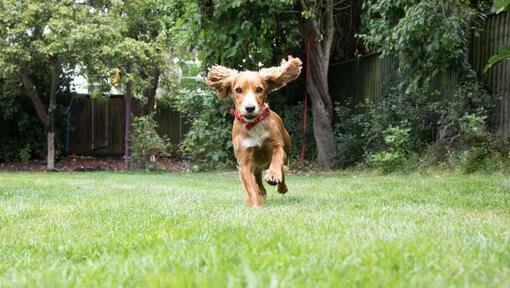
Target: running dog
259,137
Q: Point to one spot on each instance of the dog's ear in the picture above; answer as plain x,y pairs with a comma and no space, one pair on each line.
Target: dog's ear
277,77
221,79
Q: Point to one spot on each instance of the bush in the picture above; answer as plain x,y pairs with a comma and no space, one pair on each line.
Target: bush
441,130
393,158
19,128
351,139
146,144
25,154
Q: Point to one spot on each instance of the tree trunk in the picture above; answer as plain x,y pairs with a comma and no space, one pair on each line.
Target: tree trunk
31,91
322,109
55,76
150,93
317,83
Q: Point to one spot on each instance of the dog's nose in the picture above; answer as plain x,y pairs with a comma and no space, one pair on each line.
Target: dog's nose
250,108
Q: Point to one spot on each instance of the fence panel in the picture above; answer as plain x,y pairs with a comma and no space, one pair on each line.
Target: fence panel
495,36
97,127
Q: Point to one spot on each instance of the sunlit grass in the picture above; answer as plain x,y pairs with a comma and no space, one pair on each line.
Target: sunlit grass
178,230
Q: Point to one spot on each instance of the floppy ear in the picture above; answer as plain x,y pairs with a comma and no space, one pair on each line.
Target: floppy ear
221,79
277,77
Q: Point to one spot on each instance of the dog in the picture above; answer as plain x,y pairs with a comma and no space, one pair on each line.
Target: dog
259,136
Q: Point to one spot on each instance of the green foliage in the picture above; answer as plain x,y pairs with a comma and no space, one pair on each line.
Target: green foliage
427,37
138,34
484,152
36,31
501,5
208,143
350,129
439,130
25,154
394,157
93,38
146,144
19,126
473,128
243,33
503,54
37,38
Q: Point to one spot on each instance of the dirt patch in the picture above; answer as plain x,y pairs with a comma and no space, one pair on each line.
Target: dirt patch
87,164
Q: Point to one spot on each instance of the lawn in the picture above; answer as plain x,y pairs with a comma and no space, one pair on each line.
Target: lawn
181,230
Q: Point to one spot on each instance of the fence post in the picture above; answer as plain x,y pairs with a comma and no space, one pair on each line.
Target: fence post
356,79
127,117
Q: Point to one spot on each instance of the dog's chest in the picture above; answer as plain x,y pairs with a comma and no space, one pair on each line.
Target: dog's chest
256,136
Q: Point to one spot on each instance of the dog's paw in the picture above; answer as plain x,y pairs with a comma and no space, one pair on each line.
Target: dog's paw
272,178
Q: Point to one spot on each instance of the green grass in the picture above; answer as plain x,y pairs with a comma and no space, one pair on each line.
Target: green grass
181,230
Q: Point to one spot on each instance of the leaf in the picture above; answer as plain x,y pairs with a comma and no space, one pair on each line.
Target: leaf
503,53
501,5
179,22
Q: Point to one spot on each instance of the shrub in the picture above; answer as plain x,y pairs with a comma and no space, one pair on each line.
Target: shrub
351,139
25,154
393,158
146,144
19,127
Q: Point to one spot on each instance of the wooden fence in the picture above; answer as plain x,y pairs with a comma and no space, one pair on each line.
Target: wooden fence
370,76
97,127
495,35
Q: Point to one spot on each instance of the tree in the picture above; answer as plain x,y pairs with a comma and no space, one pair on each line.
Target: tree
39,34
318,26
140,50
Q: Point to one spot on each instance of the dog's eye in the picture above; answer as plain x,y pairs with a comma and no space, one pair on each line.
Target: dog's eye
239,90
259,90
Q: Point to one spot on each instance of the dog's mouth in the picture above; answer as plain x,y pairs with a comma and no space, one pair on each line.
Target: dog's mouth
250,117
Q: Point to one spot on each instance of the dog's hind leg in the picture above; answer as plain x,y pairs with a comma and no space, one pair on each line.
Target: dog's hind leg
282,187
258,177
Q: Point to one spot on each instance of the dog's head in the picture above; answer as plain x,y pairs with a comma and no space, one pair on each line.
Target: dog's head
249,88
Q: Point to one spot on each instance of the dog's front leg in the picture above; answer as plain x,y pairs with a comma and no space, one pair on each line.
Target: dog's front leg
254,196
274,174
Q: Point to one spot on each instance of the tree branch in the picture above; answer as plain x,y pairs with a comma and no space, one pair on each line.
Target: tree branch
31,91
150,92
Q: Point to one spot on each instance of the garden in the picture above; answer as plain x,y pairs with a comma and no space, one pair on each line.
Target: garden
120,166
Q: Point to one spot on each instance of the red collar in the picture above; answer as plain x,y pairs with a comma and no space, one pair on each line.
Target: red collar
262,115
